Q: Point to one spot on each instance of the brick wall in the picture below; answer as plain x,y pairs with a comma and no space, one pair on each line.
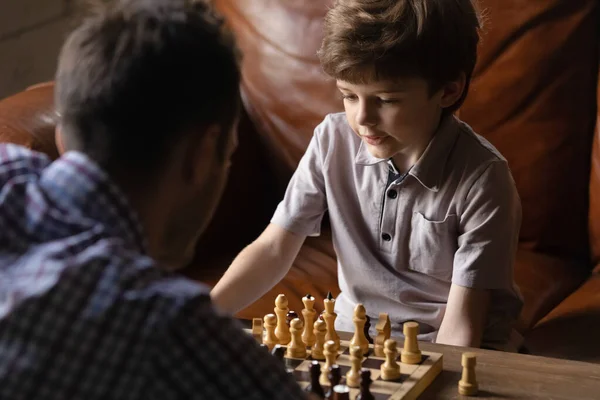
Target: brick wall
31,33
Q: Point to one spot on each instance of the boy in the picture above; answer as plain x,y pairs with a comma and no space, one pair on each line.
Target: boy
85,311
424,213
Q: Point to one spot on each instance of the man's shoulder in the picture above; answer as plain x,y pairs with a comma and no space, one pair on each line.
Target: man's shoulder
16,160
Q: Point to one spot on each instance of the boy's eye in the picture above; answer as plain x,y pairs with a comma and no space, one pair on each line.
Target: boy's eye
388,101
350,97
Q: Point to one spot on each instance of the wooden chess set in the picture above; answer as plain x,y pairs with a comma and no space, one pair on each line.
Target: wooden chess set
360,368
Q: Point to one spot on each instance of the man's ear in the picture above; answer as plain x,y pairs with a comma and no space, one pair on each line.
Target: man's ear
452,91
200,155
59,140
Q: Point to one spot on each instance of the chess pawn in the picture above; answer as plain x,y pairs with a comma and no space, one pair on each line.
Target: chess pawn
410,353
365,385
329,316
468,386
359,339
353,376
319,331
281,309
270,324
330,353
314,386
257,329
335,378
296,348
309,313
390,369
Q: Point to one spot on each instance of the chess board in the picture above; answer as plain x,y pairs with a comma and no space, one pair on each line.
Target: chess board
413,381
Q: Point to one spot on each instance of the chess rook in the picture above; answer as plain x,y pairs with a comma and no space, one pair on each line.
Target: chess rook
410,353
329,316
353,376
270,338
309,314
390,369
360,319
341,392
319,331
468,386
296,348
281,309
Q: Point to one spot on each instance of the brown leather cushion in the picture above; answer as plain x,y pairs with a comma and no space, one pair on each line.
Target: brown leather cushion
544,282
572,330
28,118
594,218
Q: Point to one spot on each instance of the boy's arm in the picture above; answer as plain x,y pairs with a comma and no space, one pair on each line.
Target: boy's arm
257,268
266,261
465,317
488,235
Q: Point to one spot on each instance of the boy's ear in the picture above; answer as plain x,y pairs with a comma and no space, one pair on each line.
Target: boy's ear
452,91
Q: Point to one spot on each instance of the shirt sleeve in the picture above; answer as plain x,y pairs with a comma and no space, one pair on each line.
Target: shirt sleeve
304,204
203,355
488,231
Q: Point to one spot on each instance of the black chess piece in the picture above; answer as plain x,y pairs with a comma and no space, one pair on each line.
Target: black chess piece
367,327
335,377
314,386
365,385
279,352
290,316
341,392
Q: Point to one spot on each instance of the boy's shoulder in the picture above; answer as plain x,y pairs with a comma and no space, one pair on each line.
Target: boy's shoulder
476,146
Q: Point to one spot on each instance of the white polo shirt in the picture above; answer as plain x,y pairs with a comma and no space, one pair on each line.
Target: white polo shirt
454,218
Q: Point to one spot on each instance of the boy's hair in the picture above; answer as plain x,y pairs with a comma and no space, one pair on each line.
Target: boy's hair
134,77
368,40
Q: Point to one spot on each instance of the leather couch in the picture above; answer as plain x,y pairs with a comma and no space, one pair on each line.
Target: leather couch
534,96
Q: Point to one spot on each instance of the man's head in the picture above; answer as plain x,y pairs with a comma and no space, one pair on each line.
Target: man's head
149,89
400,64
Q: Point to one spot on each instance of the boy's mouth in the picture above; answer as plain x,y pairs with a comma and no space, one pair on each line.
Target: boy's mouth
374,140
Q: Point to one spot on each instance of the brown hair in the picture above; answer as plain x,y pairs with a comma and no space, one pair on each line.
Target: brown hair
367,40
134,76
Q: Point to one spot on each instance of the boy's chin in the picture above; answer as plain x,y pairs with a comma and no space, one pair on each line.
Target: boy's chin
377,152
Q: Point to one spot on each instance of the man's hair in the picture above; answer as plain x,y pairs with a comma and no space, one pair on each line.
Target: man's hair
370,40
134,77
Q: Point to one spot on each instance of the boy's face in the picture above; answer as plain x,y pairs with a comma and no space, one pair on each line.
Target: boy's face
393,117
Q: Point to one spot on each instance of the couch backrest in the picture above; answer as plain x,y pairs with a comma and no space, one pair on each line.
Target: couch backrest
594,219
533,96
28,118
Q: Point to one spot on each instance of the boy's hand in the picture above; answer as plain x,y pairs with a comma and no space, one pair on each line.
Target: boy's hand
465,317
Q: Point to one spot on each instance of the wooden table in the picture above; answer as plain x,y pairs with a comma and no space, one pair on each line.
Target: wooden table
503,375
514,376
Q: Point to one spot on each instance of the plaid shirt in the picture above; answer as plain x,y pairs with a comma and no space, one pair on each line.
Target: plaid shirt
86,314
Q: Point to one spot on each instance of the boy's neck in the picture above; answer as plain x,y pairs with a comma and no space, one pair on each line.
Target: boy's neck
406,158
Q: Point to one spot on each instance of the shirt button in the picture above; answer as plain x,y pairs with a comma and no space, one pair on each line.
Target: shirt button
386,237
392,194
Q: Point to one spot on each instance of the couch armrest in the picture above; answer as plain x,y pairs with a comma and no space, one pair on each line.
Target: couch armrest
572,329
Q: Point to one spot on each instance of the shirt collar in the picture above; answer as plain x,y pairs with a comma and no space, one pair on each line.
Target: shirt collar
429,169
78,184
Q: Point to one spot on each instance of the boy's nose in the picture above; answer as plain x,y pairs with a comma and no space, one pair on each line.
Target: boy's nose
365,116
